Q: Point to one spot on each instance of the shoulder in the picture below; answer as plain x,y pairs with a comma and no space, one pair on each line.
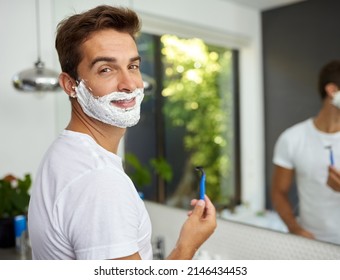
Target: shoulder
107,179
105,190
299,128
297,131
290,142
73,154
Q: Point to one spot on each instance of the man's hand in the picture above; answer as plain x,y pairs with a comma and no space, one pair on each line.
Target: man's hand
333,179
200,224
298,230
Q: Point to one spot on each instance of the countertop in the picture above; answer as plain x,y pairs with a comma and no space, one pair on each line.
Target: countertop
12,254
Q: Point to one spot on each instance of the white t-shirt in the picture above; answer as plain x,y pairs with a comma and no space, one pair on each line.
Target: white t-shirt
84,206
302,148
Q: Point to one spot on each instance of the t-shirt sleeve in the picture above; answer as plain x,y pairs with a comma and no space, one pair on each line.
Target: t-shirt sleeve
99,215
283,150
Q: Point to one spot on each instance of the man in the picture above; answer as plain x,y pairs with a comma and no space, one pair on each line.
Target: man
83,205
310,150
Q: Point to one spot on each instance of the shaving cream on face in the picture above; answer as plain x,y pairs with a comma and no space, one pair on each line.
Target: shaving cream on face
336,99
103,109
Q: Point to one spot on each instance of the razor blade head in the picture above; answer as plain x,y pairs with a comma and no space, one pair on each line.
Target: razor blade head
200,168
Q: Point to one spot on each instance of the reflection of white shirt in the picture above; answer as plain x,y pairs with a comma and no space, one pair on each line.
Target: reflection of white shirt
302,148
83,205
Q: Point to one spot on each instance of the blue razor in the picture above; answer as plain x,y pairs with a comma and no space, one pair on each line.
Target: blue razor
202,182
331,157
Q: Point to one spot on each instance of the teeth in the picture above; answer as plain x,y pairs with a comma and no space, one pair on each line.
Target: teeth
123,97
121,101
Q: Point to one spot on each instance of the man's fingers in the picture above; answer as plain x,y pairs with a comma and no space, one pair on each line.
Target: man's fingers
199,209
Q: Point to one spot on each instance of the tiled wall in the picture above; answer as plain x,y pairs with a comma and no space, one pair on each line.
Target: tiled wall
236,241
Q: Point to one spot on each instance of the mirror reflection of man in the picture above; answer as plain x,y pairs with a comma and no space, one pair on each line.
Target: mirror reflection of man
310,151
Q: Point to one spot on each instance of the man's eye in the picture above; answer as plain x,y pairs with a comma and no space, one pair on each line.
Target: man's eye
134,67
105,70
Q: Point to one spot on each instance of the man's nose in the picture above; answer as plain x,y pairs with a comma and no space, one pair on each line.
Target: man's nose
126,82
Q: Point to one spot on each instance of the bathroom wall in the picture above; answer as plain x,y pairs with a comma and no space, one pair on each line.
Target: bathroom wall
27,121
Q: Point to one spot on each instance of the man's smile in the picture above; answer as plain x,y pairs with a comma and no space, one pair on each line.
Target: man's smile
124,103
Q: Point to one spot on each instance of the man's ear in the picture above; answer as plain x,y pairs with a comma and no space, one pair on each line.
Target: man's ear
68,84
331,89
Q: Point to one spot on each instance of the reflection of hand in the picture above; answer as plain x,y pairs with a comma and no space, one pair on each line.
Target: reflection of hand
200,224
302,232
333,179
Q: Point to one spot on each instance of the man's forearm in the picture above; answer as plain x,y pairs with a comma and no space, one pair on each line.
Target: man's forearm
181,253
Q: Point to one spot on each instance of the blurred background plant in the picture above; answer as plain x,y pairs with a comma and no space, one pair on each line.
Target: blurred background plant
14,195
141,175
14,200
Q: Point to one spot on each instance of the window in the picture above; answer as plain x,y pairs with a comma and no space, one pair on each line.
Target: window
189,119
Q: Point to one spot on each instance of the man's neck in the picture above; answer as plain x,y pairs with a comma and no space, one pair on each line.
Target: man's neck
105,135
328,119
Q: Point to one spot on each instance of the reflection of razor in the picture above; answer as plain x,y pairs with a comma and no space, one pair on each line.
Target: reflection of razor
331,157
202,182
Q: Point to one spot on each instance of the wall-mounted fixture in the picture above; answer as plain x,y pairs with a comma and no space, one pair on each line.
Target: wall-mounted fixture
149,84
38,78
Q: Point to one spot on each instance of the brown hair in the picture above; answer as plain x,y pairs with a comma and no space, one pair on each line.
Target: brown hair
329,73
74,30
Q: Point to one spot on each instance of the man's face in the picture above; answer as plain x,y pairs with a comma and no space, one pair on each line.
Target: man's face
110,63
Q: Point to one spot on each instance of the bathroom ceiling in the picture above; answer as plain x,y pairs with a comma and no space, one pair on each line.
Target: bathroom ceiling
266,4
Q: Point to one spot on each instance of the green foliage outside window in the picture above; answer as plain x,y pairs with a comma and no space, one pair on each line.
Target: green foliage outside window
141,175
198,98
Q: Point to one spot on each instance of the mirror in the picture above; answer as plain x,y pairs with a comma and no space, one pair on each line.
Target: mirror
291,69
